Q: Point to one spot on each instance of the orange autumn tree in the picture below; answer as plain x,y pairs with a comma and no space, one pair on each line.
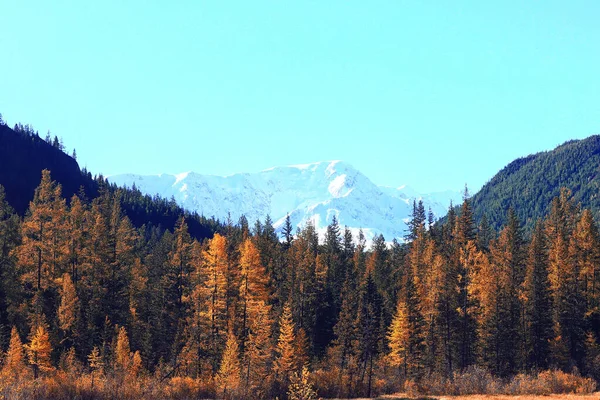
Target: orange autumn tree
258,355
398,338
39,350
14,362
43,253
68,309
253,289
228,377
286,352
215,288
122,361
194,356
255,318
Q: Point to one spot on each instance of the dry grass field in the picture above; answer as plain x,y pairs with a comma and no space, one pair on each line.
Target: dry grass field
401,396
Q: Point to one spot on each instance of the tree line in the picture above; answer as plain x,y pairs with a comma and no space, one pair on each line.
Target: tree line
254,315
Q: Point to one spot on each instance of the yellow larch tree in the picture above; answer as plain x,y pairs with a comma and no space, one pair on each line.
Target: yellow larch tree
123,357
136,365
587,247
14,362
215,286
253,290
69,363
398,338
228,377
255,319
39,350
258,355
302,347
69,305
286,357
122,360
78,232
196,358
43,251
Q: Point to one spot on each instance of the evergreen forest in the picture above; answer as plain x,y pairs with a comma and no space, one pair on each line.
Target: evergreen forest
93,307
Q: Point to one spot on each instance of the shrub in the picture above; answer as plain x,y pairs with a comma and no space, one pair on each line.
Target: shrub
560,382
477,380
474,380
301,387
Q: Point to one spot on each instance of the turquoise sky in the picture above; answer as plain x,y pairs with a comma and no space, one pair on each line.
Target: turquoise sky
429,93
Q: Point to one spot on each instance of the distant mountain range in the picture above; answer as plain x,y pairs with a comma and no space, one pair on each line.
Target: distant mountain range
314,192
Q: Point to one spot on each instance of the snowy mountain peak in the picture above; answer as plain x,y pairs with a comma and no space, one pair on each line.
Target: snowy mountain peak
307,192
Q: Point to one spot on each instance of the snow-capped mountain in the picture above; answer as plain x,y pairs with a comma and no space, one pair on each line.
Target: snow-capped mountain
315,192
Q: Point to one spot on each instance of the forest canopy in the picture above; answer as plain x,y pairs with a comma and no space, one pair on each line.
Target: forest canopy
247,314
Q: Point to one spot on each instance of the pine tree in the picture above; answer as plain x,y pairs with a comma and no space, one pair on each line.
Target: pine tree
430,296
10,285
369,325
343,353
382,275
288,232
485,234
180,257
125,239
492,287
564,274
587,253
77,225
537,301
417,222
304,285
468,262
507,312
462,257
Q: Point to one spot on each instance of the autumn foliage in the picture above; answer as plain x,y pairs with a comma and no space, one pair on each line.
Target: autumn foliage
93,307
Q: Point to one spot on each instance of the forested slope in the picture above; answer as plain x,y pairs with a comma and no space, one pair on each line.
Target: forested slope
23,156
529,184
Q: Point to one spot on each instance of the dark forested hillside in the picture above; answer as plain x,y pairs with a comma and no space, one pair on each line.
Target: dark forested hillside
24,155
529,184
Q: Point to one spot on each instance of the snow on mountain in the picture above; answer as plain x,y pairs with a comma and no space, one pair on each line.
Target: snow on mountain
315,192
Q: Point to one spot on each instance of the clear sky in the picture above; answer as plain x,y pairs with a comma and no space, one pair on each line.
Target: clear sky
434,94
